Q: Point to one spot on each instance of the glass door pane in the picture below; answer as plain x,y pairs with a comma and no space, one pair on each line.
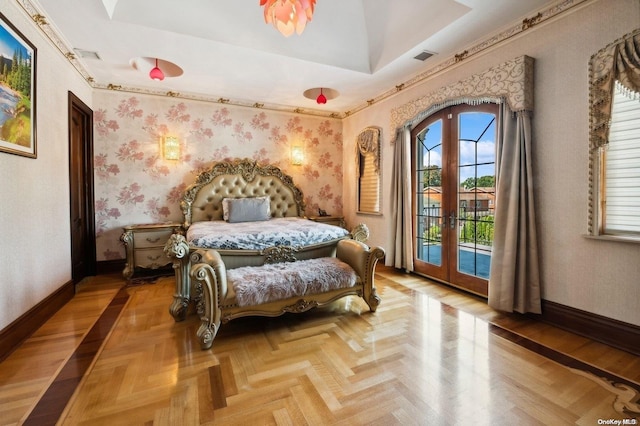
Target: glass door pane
429,194
476,192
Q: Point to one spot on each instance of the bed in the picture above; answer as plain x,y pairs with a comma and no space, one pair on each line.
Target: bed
251,214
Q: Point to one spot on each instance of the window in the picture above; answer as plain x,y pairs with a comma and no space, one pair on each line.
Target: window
620,159
614,140
368,168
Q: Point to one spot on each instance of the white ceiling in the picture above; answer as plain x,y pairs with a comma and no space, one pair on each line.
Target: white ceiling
361,48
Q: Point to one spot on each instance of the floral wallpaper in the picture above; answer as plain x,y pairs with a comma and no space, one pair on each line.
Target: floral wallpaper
134,184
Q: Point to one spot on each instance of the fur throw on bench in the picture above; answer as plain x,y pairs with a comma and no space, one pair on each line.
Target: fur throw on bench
255,285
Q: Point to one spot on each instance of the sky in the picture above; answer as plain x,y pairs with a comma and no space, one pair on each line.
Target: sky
9,43
472,125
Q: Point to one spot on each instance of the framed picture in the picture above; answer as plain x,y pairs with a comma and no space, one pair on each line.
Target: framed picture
17,92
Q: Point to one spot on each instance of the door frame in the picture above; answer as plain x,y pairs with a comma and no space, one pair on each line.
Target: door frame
89,251
448,272
438,272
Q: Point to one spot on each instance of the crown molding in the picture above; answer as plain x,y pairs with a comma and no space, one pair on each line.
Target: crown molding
67,51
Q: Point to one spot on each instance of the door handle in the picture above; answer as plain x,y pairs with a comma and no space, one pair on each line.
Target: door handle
452,220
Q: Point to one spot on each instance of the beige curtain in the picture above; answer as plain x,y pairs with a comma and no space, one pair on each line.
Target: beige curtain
368,170
514,280
369,145
514,283
401,247
618,61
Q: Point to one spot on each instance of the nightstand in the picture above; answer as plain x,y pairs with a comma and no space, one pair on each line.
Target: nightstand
331,220
145,247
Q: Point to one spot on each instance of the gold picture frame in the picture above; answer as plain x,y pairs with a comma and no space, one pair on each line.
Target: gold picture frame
17,92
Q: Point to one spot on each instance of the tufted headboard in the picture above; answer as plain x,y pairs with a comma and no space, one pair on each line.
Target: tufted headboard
240,179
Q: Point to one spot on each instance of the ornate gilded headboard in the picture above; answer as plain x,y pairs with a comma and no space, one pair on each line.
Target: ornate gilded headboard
240,179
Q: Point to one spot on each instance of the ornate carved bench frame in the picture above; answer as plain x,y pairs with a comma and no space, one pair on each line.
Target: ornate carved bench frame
210,286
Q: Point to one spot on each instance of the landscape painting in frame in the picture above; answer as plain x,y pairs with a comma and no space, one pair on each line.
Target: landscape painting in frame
17,92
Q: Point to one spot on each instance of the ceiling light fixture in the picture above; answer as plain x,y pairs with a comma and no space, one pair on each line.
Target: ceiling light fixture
321,94
156,73
288,15
145,64
321,99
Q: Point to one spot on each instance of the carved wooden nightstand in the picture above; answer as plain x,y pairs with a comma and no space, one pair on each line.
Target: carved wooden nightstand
331,220
145,247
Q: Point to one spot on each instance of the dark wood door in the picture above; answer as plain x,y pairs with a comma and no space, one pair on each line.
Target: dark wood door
83,251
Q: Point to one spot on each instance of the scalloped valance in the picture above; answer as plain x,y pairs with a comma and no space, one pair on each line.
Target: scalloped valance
618,63
510,82
369,144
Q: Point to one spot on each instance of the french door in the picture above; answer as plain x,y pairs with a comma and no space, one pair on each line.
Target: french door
453,163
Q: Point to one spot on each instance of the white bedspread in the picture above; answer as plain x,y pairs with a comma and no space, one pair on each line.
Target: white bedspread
289,231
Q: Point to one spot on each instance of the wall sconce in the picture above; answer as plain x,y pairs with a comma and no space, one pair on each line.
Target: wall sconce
297,155
171,148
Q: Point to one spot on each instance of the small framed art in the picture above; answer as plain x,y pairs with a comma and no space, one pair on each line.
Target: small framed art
17,92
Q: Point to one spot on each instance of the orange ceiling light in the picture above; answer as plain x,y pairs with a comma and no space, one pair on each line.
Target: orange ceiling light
288,15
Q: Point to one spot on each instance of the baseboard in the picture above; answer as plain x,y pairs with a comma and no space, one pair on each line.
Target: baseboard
609,331
23,327
105,267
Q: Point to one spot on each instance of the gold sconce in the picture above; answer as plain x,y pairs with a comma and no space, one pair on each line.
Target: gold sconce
171,148
297,155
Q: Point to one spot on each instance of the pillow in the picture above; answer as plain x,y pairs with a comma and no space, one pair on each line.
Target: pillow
225,208
246,209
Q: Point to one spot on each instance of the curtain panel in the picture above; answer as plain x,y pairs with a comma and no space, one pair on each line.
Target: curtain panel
514,278
368,170
514,283
369,144
401,251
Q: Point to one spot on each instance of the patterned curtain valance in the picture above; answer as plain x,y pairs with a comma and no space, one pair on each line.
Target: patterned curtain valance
618,62
511,81
369,144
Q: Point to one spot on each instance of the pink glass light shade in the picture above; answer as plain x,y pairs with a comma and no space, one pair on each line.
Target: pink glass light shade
288,15
156,73
321,99
321,95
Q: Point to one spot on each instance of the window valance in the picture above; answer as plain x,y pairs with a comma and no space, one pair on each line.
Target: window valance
369,144
510,82
618,62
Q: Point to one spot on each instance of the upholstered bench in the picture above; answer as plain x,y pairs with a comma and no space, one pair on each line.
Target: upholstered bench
276,288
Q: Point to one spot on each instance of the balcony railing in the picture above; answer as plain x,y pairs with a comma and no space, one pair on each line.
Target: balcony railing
475,226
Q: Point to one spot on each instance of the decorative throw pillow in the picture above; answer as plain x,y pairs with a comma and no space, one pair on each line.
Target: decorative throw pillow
225,208
246,209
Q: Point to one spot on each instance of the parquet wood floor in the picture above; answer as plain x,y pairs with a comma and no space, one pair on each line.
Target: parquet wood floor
430,355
